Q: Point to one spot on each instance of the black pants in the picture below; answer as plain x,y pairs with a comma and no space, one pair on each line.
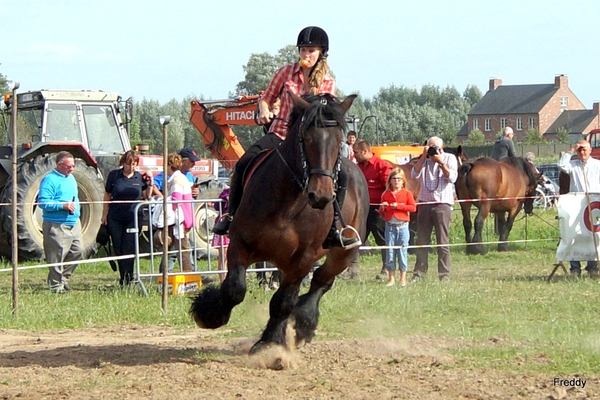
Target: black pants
376,226
124,244
268,141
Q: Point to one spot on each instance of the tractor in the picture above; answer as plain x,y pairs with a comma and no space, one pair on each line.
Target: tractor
87,124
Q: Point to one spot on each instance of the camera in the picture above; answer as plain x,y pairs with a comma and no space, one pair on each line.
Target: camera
432,151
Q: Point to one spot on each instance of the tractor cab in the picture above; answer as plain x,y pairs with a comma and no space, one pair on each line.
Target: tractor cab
89,118
85,123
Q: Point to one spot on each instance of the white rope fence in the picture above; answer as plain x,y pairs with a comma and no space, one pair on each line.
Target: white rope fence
150,255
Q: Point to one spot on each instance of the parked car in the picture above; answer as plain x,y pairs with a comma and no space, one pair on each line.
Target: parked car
223,175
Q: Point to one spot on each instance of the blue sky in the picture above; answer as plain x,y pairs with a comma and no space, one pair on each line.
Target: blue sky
166,50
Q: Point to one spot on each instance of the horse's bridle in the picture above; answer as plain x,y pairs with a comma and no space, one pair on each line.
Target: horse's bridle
307,172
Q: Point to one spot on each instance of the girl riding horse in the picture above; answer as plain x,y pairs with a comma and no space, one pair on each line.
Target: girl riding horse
309,76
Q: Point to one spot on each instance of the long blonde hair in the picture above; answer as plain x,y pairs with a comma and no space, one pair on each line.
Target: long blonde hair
320,70
393,173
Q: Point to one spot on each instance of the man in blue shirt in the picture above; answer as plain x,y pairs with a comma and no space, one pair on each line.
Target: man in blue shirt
58,198
188,160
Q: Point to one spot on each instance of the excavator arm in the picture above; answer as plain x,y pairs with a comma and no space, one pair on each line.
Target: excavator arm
214,118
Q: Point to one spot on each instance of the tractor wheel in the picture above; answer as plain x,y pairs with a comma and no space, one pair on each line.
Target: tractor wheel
29,217
205,216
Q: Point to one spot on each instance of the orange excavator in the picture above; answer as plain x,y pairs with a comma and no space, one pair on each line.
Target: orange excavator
214,119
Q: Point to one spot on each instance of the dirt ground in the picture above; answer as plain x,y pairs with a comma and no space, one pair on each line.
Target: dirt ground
138,362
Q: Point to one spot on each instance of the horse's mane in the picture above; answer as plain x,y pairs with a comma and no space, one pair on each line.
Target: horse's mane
325,107
522,165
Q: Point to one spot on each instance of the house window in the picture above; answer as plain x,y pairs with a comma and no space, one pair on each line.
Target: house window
487,125
531,122
519,124
475,124
502,123
564,101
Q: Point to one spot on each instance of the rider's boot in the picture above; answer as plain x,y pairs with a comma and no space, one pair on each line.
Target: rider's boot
334,237
235,194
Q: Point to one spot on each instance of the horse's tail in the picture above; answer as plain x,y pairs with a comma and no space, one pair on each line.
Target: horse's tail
463,173
465,169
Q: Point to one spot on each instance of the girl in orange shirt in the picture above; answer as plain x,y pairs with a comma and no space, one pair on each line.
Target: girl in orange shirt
396,204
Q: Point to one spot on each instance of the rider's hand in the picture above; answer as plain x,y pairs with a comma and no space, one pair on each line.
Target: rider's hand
264,117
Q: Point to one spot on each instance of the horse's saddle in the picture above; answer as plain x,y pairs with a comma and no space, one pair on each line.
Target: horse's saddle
255,163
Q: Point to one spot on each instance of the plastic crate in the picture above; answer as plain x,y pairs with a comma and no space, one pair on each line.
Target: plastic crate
181,284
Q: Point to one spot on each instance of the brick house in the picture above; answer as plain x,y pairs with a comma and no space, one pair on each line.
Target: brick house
545,107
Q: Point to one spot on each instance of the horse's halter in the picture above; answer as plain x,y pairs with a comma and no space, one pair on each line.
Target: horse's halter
306,170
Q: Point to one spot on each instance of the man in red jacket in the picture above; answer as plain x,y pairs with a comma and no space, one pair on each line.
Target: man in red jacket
376,172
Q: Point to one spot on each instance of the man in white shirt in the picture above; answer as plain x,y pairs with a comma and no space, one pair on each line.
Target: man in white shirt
584,172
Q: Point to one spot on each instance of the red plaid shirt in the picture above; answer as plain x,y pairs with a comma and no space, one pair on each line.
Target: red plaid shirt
290,78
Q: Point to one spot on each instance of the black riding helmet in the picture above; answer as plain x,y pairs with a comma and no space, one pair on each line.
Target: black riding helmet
313,36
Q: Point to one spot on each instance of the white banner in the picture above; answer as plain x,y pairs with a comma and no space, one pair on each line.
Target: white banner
579,222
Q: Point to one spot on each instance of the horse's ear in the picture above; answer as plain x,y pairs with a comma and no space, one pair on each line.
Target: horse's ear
347,103
299,102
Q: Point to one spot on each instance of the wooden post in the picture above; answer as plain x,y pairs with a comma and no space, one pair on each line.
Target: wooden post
15,242
164,121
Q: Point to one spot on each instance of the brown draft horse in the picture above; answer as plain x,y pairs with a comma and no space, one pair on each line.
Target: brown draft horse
283,218
486,179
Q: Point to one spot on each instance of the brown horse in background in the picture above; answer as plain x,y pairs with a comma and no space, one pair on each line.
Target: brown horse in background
284,217
485,179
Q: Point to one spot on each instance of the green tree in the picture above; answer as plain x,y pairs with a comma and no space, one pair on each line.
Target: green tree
411,116
191,136
562,135
475,138
533,136
145,118
472,95
261,67
258,73
175,137
3,85
287,55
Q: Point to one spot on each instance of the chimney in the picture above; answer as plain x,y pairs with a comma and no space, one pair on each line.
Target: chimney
596,108
494,83
561,81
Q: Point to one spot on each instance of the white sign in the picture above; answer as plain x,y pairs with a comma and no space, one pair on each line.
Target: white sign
579,222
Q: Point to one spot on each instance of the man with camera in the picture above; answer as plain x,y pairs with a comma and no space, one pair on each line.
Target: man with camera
436,171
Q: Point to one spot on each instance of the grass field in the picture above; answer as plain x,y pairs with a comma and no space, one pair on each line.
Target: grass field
498,308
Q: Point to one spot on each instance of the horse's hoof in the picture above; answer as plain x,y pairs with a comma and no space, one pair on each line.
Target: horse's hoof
207,309
259,346
473,250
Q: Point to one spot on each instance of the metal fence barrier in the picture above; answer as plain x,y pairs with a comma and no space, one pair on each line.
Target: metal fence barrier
199,237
